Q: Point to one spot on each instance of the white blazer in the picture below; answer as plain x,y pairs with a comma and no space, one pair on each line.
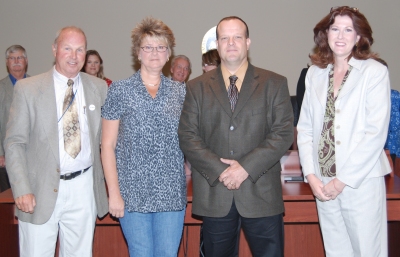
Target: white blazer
362,114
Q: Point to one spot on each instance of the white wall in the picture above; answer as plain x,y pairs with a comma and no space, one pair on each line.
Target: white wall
281,31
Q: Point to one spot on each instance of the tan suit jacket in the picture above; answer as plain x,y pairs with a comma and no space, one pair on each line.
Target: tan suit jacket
256,134
32,151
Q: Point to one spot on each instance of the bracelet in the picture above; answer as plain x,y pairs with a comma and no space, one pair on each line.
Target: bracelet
335,186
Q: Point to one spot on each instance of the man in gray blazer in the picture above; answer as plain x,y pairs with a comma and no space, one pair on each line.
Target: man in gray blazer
236,123
53,153
17,63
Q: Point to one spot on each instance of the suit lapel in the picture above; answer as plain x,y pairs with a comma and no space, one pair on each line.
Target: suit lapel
249,84
217,85
9,89
93,107
48,108
353,79
321,82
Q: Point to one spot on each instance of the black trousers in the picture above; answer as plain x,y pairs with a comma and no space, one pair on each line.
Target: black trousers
4,183
264,235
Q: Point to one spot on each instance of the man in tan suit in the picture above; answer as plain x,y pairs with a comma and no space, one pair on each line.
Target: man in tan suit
17,63
236,123
53,155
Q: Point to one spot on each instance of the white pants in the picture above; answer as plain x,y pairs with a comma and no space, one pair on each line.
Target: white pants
355,223
73,218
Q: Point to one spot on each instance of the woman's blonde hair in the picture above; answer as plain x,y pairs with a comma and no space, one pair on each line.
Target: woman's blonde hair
151,27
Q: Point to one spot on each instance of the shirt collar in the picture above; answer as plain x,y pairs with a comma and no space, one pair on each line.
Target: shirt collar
13,79
240,73
64,79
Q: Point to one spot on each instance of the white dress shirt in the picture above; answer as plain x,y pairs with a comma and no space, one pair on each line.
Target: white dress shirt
83,159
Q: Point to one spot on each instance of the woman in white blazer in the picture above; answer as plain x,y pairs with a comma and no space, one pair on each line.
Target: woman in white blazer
341,133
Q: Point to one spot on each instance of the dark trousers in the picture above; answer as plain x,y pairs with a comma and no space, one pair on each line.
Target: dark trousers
203,252
264,235
4,183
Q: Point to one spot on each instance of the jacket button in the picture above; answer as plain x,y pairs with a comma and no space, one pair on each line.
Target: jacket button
338,111
55,190
338,127
231,127
338,142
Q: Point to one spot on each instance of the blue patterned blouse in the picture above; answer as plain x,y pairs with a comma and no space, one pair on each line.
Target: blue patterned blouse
393,139
149,161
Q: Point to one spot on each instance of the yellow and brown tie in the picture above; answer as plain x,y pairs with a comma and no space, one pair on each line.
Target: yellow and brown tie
71,128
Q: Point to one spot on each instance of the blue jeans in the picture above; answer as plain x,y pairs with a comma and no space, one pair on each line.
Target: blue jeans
153,234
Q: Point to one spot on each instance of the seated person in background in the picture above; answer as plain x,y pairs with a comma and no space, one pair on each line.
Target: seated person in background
393,138
301,87
180,68
210,60
94,65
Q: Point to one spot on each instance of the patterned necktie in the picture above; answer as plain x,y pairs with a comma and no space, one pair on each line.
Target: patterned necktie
71,129
233,93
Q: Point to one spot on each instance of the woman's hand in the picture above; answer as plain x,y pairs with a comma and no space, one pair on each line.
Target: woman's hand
316,187
333,188
116,206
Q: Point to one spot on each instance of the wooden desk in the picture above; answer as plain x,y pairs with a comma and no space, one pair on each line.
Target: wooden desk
302,233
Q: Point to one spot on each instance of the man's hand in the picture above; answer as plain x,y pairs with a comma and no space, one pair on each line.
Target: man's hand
2,161
316,187
234,175
26,203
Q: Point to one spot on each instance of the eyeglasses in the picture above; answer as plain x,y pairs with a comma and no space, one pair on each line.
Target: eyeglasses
13,58
149,49
354,9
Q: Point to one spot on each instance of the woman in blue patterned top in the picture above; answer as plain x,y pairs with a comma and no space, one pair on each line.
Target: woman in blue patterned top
142,161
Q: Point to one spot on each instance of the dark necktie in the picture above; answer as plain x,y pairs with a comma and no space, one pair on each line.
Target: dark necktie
233,93
71,128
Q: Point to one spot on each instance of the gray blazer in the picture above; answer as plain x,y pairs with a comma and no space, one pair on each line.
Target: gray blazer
257,134
32,155
6,95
